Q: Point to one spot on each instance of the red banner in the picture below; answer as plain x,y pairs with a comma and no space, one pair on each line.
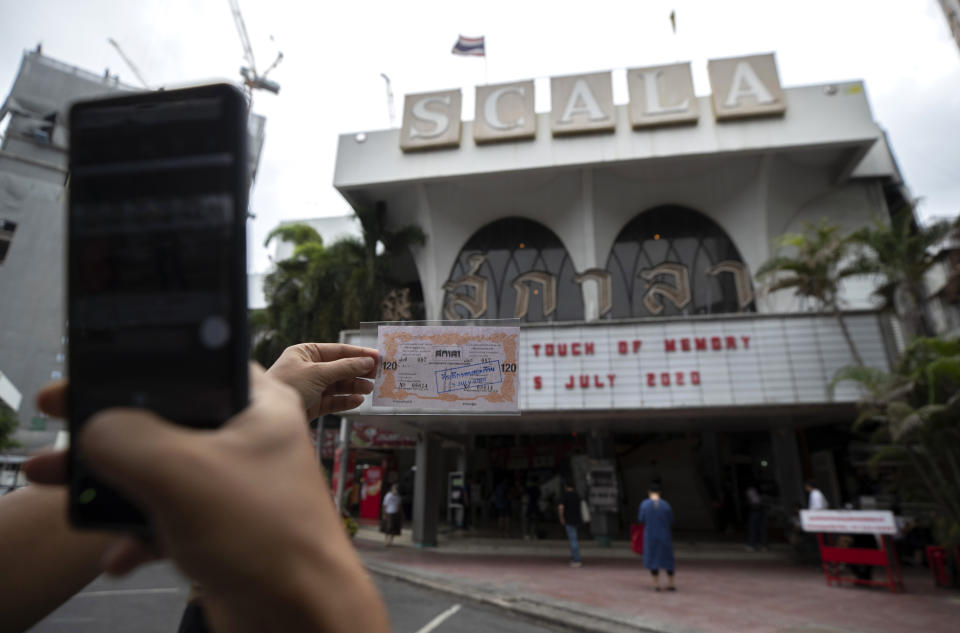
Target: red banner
364,436
372,486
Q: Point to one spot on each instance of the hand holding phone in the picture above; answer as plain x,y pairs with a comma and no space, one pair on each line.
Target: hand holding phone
243,509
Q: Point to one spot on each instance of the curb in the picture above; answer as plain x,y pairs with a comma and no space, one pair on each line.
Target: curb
555,613
684,553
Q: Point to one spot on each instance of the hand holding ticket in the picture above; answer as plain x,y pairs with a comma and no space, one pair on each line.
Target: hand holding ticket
448,368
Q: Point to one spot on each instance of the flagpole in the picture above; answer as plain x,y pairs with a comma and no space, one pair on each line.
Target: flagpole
676,41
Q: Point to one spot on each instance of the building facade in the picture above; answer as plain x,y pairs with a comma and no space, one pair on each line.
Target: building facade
33,196
625,237
33,178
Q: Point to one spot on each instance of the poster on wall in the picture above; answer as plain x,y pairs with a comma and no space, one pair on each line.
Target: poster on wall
602,485
370,492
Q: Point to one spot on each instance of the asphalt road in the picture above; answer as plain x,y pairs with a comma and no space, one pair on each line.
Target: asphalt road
417,610
148,601
152,600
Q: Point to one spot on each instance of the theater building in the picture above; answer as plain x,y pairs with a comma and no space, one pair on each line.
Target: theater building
625,237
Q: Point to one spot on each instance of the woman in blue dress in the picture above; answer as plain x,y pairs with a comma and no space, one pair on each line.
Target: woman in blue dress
656,515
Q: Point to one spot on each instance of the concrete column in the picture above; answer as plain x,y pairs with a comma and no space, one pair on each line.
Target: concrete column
427,486
343,447
603,525
786,459
713,461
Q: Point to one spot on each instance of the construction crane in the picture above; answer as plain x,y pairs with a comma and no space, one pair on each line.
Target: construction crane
389,97
251,79
133,67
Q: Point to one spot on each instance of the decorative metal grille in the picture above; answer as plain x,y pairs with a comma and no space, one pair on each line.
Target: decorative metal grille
513,267
671,260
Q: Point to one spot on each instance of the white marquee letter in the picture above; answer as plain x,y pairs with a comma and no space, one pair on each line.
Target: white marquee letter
745,83
440,120
490,114
651,91
590,107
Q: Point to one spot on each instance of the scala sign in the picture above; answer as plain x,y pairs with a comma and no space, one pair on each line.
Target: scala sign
741,87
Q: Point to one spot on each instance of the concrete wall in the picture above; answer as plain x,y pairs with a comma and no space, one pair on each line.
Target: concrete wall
754,199
826,158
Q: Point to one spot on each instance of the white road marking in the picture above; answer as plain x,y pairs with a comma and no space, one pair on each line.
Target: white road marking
69,620
437,621
125,592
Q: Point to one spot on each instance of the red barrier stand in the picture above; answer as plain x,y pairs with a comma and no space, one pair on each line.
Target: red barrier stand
937,559
832,557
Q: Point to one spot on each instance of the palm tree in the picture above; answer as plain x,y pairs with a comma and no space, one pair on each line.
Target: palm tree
371,283
8,426
915,414
814,269
900,252
320,290
305,293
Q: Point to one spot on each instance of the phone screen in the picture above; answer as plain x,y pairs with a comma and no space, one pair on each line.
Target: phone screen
156,267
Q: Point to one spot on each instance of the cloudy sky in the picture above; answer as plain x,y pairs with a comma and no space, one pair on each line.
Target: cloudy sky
334,53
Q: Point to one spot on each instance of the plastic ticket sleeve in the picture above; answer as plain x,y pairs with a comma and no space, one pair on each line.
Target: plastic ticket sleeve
448,368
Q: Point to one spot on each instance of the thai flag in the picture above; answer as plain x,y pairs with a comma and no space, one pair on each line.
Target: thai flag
469,46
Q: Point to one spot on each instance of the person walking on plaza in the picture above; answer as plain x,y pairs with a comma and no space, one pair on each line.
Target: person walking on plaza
475,499
756,520
656,515
816,500
569,512
392,514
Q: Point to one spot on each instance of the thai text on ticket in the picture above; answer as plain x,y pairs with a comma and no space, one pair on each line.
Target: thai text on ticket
469,369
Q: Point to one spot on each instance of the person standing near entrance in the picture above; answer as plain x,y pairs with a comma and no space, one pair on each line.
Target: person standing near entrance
501,503
392,515
569,512
756,520
817,500
533,509
656,515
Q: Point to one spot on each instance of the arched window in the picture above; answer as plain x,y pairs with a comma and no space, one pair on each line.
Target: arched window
671,260
513,267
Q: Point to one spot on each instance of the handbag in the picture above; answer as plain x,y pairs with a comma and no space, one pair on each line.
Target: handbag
636,538
584,511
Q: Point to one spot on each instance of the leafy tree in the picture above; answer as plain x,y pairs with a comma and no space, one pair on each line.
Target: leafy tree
305,292
320,290
370,283
813,264
8,425
914,413
900,252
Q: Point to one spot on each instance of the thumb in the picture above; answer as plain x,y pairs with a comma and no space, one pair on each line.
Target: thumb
345,368
137,452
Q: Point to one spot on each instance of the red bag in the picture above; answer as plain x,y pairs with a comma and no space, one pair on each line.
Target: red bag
636,537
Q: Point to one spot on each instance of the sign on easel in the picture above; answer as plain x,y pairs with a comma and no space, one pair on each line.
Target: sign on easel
849,521
834,558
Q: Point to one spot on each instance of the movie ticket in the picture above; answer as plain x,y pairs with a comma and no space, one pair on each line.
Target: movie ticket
468,369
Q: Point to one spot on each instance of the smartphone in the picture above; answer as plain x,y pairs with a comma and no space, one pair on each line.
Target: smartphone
156,269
